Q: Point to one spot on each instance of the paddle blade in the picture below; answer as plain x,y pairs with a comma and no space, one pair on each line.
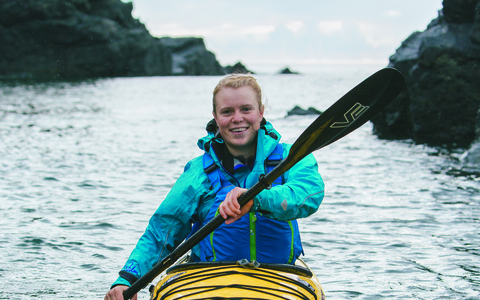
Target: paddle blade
350,112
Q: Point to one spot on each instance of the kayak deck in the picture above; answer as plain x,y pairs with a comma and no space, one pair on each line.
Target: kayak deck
238,280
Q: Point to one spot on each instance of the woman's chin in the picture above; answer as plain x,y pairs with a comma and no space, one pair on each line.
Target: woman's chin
240,146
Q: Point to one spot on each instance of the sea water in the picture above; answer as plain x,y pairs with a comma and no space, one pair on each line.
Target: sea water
84,165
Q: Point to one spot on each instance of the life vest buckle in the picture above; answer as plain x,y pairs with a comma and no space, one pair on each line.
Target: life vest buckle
248,264
210,168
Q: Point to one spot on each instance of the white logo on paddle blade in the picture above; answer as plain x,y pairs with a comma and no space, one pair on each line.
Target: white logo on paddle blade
351,115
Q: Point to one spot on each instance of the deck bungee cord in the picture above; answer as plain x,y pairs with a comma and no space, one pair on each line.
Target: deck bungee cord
288,285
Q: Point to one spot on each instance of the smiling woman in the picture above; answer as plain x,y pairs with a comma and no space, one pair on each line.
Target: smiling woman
239,148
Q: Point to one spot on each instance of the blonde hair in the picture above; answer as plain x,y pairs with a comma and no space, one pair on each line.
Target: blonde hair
236,81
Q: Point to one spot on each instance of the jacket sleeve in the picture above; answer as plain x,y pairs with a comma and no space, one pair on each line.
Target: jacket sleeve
168,226
300,195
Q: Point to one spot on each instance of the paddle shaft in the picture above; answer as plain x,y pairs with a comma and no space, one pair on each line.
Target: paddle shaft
344,116
202,233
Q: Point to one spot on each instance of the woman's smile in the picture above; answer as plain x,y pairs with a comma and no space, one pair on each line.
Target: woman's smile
239,130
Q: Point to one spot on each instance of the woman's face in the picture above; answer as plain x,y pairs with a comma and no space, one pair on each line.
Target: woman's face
238,117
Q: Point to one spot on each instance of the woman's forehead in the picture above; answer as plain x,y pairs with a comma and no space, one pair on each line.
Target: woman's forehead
240,95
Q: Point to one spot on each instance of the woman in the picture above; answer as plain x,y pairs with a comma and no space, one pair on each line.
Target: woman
239,145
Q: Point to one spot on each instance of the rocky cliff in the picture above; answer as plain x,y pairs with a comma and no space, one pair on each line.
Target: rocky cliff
190,57
441,65
75,39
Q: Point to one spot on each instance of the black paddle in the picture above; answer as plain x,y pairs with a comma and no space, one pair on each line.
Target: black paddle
347,114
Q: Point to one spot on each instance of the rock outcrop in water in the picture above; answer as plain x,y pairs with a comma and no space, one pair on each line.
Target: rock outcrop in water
76,39
442,71
237,68
288,71
298,111
190,57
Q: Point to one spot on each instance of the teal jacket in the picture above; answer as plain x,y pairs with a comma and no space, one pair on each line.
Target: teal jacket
191,198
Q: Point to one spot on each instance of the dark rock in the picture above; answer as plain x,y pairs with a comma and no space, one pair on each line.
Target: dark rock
459,11
287,71
190,57
475,32
441,67
237,68
70,39
297,110
77,39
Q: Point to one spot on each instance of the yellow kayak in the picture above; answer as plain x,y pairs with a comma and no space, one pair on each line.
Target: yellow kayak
237,280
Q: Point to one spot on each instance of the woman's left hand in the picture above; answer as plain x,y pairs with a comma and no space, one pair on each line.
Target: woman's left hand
230,208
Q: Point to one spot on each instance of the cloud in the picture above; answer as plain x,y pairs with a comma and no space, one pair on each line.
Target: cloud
329,27
374,35
295,26
254,30
224,30
178,30
394,13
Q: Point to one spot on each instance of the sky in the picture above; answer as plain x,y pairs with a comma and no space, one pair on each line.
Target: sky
274,34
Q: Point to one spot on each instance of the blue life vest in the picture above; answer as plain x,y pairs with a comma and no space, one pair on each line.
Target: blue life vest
254,236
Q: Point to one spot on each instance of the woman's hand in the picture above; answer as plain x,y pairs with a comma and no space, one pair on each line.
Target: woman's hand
117,293
230,208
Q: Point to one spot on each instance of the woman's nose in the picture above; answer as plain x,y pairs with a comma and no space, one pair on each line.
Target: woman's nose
237,116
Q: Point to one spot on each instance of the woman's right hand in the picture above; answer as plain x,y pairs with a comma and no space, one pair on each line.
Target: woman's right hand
230,208
117,293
